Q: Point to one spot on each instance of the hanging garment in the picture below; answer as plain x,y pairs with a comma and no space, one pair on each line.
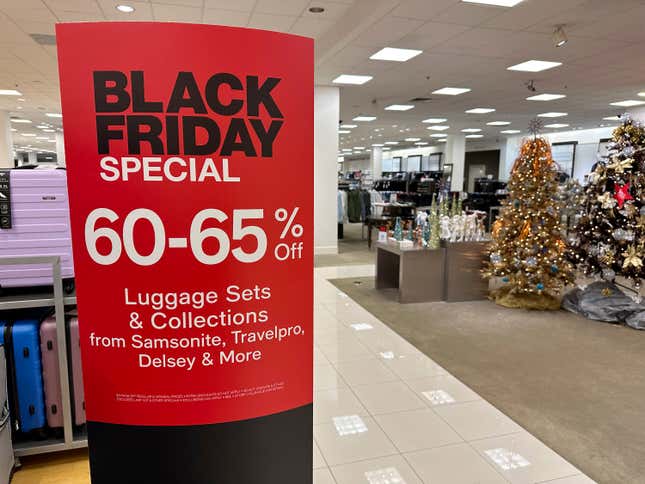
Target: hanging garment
354,206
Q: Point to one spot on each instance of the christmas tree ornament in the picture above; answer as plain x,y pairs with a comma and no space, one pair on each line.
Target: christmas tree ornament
622,194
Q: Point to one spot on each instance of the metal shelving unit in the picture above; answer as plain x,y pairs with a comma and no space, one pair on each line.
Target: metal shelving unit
58,300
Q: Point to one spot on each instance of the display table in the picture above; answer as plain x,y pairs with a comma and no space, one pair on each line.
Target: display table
463,281
417,273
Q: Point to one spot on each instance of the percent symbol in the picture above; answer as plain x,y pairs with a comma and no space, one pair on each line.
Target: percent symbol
283,215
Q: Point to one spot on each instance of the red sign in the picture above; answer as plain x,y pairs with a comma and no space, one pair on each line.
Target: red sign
190,166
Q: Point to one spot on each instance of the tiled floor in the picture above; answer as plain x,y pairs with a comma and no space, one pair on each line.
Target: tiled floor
384,413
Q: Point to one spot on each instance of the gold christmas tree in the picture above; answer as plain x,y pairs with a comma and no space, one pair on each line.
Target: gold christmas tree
528,252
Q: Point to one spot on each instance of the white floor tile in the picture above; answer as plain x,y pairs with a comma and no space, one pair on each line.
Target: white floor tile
477,420
364,372
346,348
453,464
417,430
319,461
442,390
337,449
336,403
332,336
323,476
319,358
386,470
388,397
523,459
327,378
580,479
414,366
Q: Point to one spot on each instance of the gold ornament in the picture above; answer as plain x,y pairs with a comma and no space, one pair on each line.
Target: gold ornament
632,258
607,200
620,166
607,292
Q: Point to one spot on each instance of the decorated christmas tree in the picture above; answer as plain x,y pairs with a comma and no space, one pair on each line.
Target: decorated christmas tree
609,239
528,252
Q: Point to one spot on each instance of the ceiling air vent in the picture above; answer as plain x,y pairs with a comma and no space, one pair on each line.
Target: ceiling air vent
421,100
44,39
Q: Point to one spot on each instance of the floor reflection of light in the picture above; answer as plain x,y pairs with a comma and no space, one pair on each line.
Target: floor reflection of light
506,459
350,425
384,476
439,397
387,355
362,326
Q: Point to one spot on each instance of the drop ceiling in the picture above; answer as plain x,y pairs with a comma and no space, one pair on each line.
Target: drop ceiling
464,45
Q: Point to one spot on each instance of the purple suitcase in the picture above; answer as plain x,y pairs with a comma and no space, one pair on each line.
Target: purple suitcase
51,375
40,226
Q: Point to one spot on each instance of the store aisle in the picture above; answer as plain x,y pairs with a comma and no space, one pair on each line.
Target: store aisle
385,413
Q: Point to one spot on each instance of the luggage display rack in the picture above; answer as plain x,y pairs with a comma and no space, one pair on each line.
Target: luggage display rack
71,439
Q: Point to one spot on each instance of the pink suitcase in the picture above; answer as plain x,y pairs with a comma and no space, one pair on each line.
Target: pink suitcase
37,203
51,375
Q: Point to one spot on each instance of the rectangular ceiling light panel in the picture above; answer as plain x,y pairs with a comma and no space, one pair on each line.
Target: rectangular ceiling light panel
546,97
352,79
534,66
399,107
452,91
495,3
396,55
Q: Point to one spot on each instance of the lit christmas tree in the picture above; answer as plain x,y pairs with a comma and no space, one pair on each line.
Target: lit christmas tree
609,239
527,251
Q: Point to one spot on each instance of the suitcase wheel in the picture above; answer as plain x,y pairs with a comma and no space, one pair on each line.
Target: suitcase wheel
25,352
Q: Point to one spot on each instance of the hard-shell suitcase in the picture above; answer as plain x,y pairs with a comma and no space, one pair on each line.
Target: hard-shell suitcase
26,396
6,449
34,221
51,374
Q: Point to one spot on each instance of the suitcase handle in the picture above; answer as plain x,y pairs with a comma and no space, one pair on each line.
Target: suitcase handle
5,416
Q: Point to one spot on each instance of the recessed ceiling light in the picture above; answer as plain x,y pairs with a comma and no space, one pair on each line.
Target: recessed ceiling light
364,119
358,148
557,125
422,143
392,143
316,9
386,149
471,130
21,99
347,149
628,104
546,97
475,136
612,118
399,107
438,128
42,126
396,55
451,91
554,115
125,8
54,115
27,134
378,145
343,131
49,130
438,135
534,66
496,3
14,130
511,131
444,140
348,126
352,79
434,120
24,121
10,92
641,94
412,140
498,123
480,111
42,137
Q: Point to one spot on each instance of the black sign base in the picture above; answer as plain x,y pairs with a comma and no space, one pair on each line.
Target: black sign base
276,449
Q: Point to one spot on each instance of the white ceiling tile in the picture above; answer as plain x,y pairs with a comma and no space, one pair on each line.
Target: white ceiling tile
86,6
310,27
32,11
38,27
387,30
468,14
69,16
282,7
422,9
278,23
142,10
226,17
238,5
186,3
176,13
430,35
529,13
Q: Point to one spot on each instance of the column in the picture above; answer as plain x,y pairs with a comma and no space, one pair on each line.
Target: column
326,118
456,154
6,141
60,149
376,162
33,157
